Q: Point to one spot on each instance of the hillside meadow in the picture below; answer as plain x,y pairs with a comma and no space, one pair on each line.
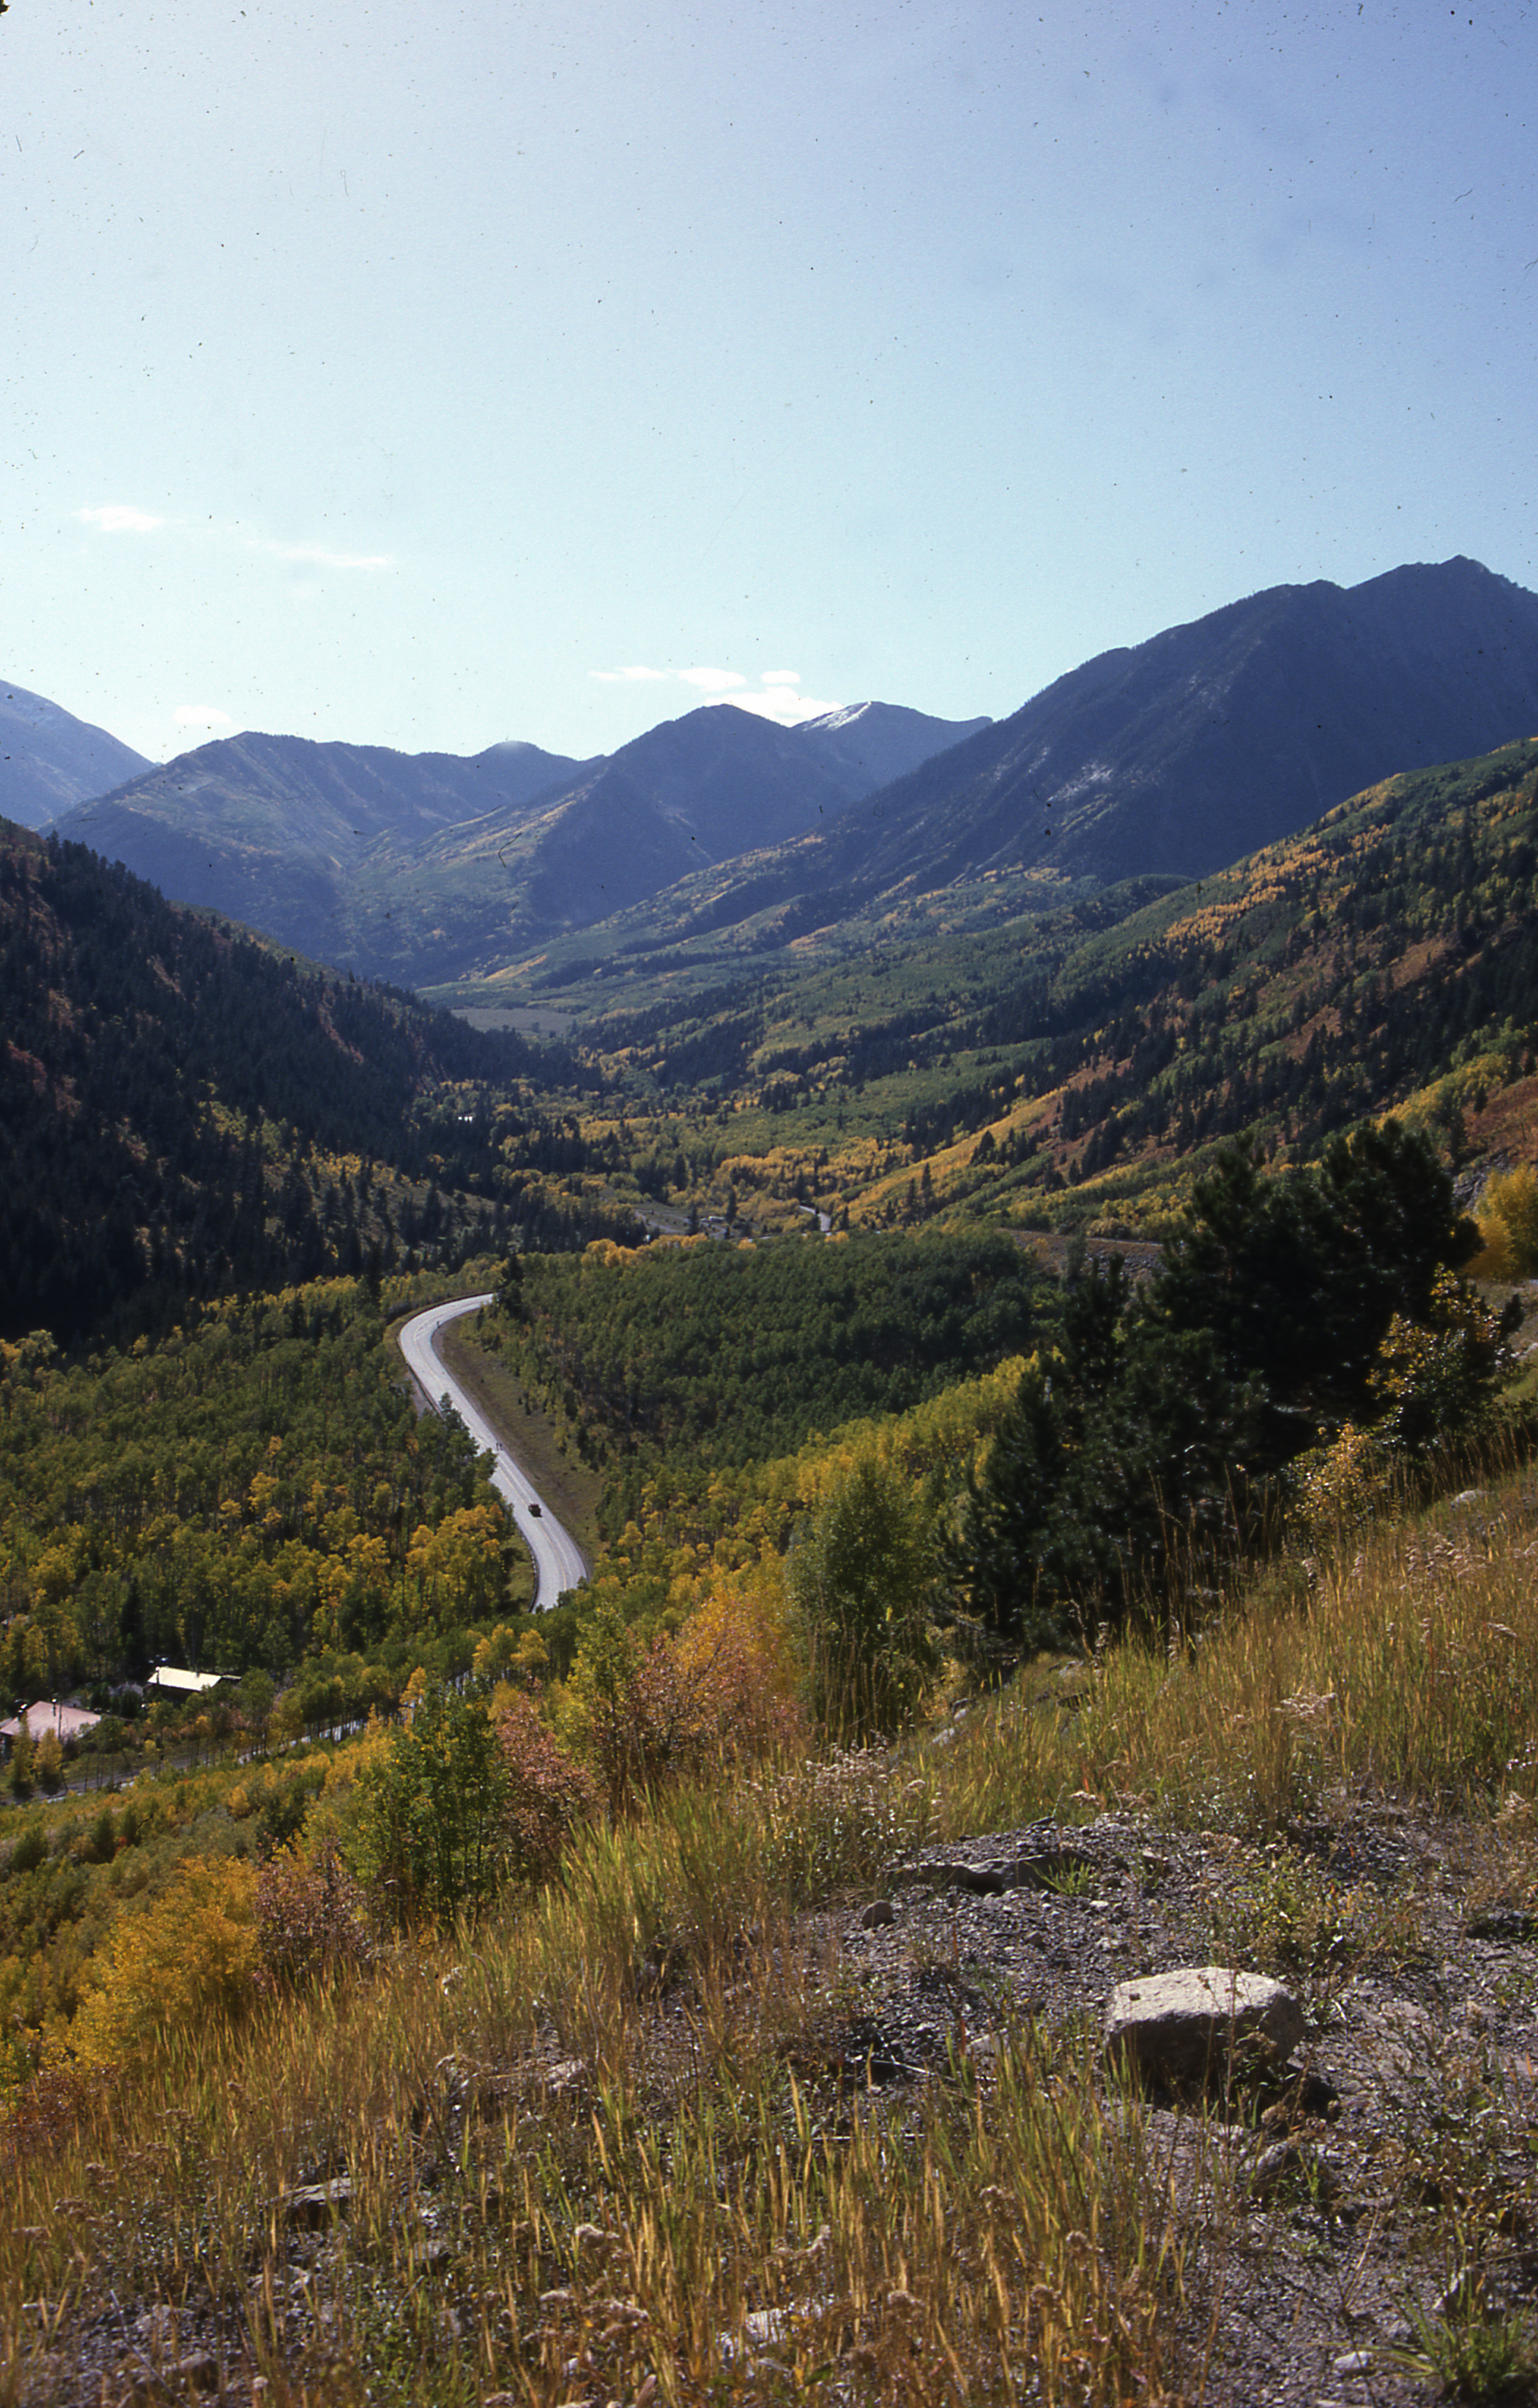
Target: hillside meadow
615,2131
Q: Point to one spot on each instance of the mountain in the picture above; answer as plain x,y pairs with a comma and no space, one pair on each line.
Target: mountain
269,829
432,867
1179,755
694,792
868,744
50,762
183,1112
1067,1067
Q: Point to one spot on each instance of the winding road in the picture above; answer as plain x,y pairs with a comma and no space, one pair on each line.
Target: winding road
559,1561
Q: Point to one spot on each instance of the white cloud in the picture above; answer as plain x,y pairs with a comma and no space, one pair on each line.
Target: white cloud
775,695
319,556
713,680
120,518
201,714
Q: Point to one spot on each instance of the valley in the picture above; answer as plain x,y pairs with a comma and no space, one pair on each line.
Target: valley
1018,1344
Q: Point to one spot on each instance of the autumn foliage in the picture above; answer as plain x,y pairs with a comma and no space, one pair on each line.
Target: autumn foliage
188,1959
547,1792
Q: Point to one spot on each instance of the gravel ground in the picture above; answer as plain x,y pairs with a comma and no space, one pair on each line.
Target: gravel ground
1393,2179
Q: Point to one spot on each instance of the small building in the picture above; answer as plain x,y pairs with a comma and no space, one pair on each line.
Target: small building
67,1722
172,1681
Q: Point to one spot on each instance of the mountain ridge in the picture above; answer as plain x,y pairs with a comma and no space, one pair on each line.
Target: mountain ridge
1177,755
407,866
51,761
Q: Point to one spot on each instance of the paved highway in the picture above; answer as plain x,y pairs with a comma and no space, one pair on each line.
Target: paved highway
559,1561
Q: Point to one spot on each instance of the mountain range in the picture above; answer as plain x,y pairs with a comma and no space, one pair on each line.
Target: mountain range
424,867
1172,758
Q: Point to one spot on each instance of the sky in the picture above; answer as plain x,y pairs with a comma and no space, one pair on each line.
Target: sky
435,377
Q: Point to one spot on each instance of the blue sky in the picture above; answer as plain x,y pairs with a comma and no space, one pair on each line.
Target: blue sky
430,376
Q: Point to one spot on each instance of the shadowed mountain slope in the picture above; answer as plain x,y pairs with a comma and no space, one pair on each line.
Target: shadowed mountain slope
430,867
270,829
168,1086
1183,753
49,761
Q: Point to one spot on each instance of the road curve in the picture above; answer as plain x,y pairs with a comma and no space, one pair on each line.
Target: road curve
559,1561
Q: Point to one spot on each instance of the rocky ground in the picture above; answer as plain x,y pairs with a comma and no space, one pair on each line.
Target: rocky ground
1368,2215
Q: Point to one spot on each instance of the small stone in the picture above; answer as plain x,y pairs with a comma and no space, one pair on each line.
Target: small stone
1272,2166
1192,2024
315,2205
1352,2362
558,2081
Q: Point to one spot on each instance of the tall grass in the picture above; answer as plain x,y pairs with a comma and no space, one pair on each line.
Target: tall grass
1400,1657
581,2160
667,2206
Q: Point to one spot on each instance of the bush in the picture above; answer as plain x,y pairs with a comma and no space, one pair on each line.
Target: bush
30,1849
430,1835
547,1792
862,1575
1508,1226
185,1959
310,1920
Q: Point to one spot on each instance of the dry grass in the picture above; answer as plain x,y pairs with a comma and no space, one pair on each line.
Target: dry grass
580,2164
1400,1657
664,2207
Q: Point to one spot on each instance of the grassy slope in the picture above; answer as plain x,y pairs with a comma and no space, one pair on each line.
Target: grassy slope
564,2173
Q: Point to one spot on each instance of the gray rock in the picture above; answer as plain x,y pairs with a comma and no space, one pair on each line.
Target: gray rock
317,2204
1197,2023
879,1912
982,1881
1272,2167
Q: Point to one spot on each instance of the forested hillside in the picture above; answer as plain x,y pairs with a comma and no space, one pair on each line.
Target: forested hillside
183,1112
1058,1067
726,1355
252,1492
